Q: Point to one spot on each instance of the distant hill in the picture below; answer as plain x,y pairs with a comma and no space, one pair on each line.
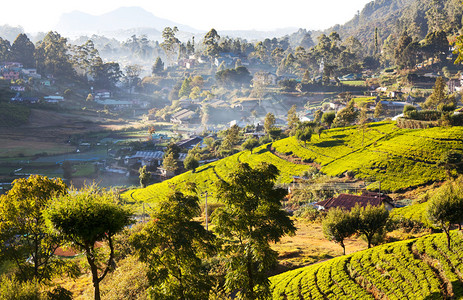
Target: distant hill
398,158
123,18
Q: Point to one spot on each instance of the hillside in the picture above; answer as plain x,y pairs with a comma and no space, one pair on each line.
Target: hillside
422,268
395,16
399,158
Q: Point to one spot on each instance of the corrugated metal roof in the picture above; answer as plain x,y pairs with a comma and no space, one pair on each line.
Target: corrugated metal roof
349,201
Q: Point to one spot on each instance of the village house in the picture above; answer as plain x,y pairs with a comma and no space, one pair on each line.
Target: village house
19,98
159,137
396,106
215,103
190,142
336,105
454,85
30,73
187,63
53,99
45,82
10,74
11,65
264,78
102,94
145,158
347,202
115,104
184,116
17,88
247,105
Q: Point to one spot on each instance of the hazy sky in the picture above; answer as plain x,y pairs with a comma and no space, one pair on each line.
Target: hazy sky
42,15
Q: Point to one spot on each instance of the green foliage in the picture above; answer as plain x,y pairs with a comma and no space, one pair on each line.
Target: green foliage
170,163
328,118
275,133
144,176
85,217
304,134
211,42
51,55
234,77
158,66
250,144
451,161
22,50
251,219
170,41
370,220
439,95
12,288
346,116
269,121
446,207
408,108
379,110
173,245
317,117
191,163
423,115
185,90
338,225
23,232
292,118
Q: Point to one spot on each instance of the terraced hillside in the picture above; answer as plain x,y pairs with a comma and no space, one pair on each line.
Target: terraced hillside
399,158
422,268
416,213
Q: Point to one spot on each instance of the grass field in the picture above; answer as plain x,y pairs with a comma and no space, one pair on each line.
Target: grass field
422,268
354,83
398,158
13,115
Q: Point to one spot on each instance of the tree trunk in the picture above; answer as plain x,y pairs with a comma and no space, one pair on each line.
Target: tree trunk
250,292
96,281
369,241
343,248
447,232
94,269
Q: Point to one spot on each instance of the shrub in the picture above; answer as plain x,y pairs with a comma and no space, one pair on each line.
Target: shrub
11,288
423,115
308,212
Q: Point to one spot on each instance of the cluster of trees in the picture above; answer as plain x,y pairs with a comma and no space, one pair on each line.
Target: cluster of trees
54,55
369,221
39,215
183,259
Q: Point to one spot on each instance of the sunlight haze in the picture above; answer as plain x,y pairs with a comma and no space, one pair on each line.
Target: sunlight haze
202,15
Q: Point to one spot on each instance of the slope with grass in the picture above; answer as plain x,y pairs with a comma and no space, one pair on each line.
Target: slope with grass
205,176
417,213
422,268
398,158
